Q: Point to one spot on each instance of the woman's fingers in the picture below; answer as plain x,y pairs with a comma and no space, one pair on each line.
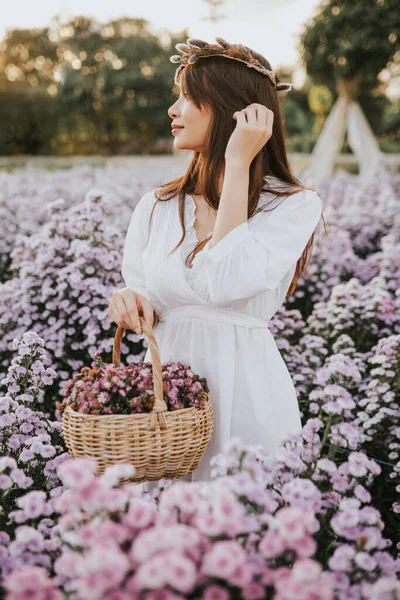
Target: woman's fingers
269,119
125,308
240,117
257,114
132,307
251,115
148,312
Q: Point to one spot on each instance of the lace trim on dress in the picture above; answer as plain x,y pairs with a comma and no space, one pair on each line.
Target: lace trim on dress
191,239
190,217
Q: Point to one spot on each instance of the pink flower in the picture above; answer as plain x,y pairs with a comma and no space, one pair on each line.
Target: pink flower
208,524
293,523
164,538
253,591
325,464
189,498
141,514
268,576
365,561
362,494
288,589
6,462
304,547
67,563
118,595
151,574
272,544
241,575
102,569
315,586
95,584
306,569
356,467
5,482
32,503
180,572
302,493
30,537
31,582
113,473
223,559
215,592
92,496
345,520
77,472
385,587
227,509
163,594
341,558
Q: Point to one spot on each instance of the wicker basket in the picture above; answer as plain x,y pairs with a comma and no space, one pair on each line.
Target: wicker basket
159,444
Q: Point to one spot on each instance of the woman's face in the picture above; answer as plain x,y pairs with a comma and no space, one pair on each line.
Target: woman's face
195,123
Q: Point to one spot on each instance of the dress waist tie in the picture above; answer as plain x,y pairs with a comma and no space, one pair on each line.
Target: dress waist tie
216,314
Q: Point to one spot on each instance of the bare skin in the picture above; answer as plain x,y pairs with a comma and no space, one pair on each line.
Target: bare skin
205,218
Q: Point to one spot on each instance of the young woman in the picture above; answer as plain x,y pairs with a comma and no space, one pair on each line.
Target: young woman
247,227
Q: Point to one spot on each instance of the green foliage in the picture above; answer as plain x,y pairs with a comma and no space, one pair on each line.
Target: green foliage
320,101
348,38
84,87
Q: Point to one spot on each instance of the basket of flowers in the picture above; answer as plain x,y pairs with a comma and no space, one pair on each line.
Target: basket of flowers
157,417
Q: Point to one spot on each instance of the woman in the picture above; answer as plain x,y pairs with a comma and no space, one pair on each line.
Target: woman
247,228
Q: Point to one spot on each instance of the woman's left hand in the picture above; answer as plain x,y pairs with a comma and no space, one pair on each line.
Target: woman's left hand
253,130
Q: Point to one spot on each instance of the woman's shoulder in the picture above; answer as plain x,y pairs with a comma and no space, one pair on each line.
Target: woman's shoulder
307,198
300,209
145,203
146,197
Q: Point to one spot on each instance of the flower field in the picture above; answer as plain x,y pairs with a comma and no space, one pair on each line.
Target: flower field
319,521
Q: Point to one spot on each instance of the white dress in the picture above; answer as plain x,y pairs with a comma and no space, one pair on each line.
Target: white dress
214,317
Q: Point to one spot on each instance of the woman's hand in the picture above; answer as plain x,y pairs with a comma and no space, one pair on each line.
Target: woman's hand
253,130
124,308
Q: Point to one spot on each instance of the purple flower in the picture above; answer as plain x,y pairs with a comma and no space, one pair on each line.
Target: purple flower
32,503
5,482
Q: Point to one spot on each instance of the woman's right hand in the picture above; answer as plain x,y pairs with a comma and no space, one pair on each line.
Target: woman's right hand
125,307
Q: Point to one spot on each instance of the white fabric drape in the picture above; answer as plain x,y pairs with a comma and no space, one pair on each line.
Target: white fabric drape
362,140
344,115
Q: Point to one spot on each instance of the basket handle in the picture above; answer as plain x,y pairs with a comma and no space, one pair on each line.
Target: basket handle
160,407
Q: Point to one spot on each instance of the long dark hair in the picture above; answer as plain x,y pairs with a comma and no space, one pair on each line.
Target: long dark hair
227,86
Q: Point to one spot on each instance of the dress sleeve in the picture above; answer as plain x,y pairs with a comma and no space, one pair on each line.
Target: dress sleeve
132,260
255,256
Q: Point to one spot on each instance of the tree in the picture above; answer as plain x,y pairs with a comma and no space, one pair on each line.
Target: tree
349,39
105,87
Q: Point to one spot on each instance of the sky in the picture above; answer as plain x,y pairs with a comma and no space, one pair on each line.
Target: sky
272,27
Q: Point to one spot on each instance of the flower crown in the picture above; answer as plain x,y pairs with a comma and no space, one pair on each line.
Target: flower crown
195,49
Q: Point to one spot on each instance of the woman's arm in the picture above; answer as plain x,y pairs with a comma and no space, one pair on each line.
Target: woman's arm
233,204
132,259
253,130
256,255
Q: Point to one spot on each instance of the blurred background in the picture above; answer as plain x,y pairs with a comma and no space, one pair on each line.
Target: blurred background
90,79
